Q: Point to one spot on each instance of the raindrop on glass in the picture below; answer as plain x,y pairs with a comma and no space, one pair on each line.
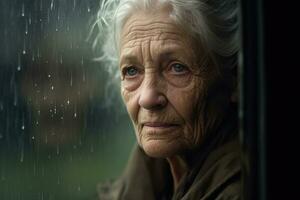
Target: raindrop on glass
51,6
41,5
71,80
29,19
26,28
22,154
23,10
19,62
74,4
24,47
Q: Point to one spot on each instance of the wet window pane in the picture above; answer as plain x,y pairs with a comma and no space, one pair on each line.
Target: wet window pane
60,133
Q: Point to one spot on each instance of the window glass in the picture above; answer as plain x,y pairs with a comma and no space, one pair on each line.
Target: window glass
63,127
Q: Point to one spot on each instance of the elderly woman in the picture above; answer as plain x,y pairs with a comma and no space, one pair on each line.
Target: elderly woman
177,61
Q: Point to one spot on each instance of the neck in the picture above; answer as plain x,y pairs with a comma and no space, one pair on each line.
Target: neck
178,168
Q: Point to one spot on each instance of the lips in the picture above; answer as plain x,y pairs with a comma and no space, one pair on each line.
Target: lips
159,124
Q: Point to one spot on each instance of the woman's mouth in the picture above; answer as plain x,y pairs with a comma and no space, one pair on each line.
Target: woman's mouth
159,127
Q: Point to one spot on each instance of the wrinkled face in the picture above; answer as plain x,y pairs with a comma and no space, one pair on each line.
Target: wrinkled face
161,86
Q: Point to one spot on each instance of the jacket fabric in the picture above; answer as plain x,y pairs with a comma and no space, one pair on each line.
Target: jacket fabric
214,175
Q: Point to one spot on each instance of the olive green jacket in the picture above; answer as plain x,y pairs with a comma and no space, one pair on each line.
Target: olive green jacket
215,172
216,176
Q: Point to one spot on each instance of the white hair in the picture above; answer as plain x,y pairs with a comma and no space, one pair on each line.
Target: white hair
213,22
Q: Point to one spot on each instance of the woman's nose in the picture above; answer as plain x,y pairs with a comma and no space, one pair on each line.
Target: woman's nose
151,97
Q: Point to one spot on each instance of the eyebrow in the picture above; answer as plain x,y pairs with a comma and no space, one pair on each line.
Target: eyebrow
165,53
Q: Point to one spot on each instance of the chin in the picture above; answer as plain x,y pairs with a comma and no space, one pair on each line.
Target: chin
161,148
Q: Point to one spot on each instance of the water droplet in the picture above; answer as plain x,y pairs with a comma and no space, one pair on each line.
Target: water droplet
19,62
24,51
23,127
41,5
71,81
23,10
68,102
26,28
22,155
51,6
49,75
32,137
89,10
75,115
52,87
29,20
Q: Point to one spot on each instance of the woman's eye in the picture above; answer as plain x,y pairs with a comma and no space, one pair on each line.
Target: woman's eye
178,68
130,71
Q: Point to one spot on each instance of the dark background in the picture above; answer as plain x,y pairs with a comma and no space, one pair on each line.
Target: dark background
282,77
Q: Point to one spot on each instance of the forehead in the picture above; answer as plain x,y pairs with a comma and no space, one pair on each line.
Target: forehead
144,26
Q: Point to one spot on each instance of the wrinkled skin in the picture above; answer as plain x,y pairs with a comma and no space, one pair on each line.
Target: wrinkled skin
165,84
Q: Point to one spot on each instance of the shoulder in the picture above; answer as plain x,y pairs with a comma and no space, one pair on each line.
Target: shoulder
220,176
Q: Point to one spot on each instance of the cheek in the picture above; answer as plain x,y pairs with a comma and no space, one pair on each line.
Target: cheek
185,100
189,103
130,99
